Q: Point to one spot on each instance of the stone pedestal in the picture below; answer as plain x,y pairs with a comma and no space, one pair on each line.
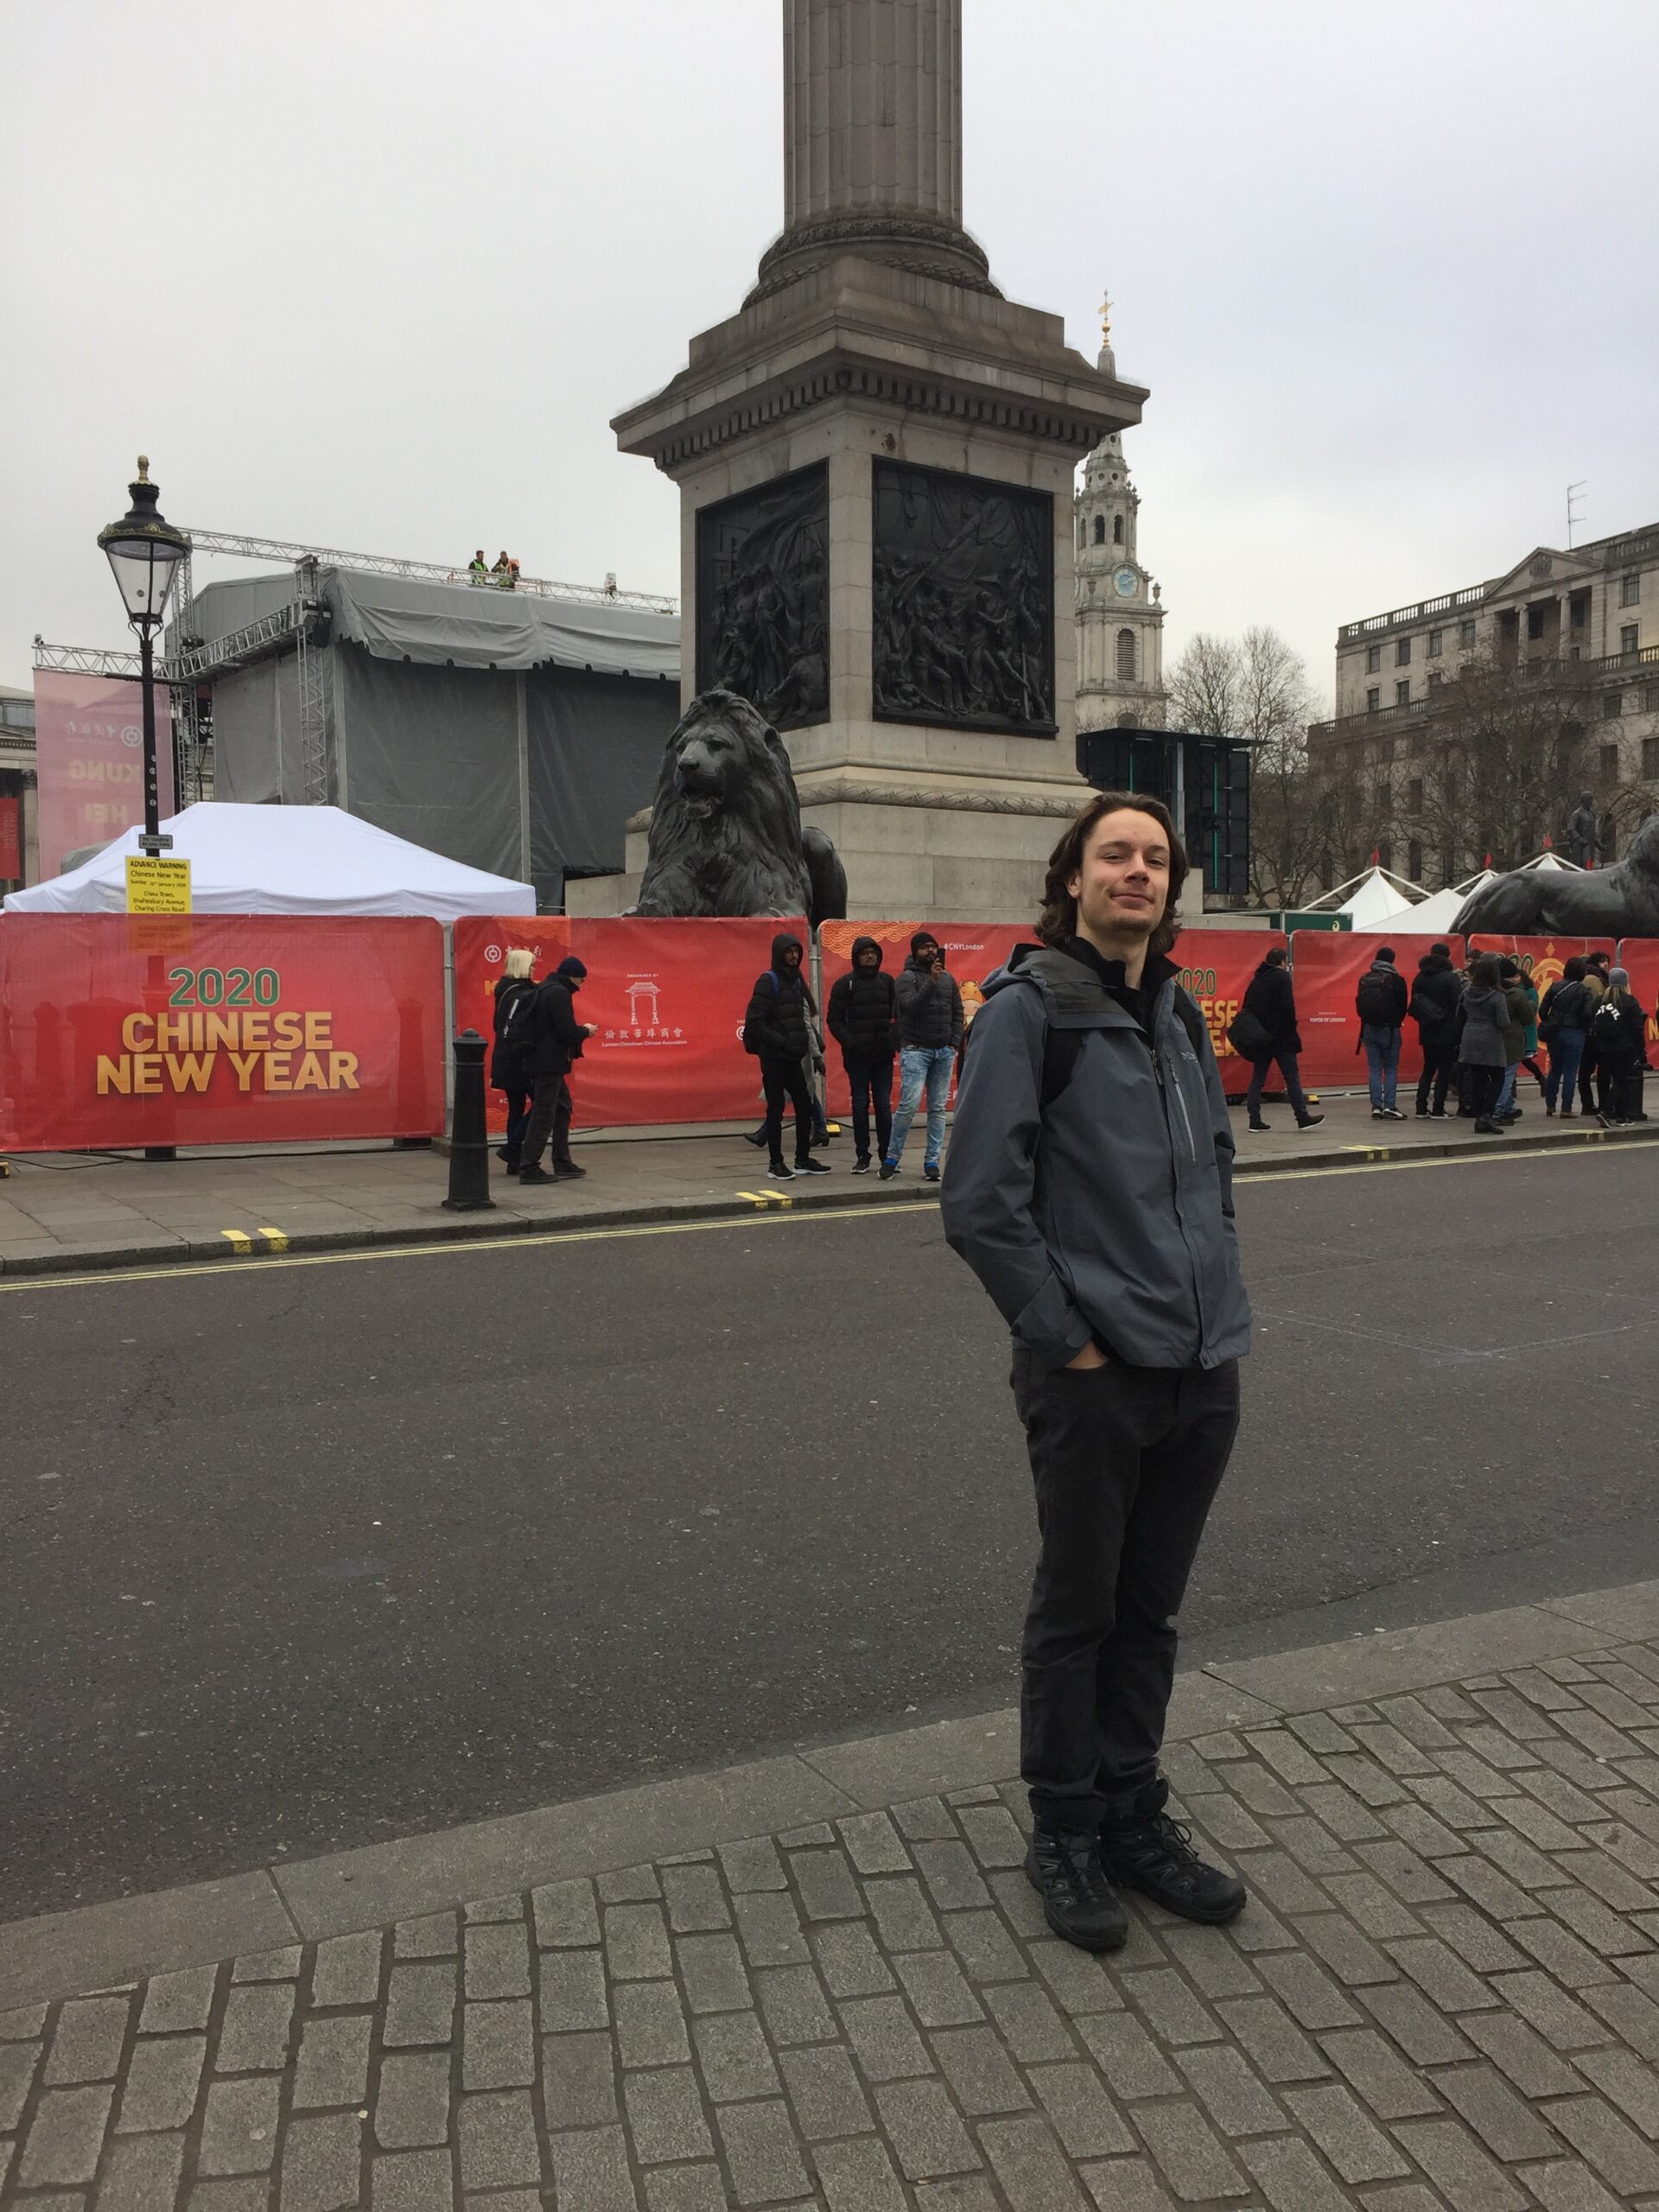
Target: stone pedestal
911,634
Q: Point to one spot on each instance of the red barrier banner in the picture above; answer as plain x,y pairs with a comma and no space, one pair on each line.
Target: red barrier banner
1542,958
11,841
972,951
1640,956
1215,967
1326,968
89,760
217,1029
669,998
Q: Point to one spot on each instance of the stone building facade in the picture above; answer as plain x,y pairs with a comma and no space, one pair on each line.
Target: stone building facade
1594,606
1119,608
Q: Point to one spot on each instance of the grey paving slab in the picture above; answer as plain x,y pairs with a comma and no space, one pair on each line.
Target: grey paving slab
1410,1659
1444,1992
355,1889
133,1937
1631,1612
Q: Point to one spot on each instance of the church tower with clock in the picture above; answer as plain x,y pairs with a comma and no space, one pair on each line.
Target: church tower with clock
1120,609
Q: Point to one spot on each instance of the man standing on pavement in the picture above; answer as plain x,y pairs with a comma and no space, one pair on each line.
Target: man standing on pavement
550,1051
1435,1000
930,1033
776,1029
1090,1191
1380,1003
861,1017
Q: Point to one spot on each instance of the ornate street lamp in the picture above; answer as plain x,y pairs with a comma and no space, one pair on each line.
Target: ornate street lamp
145,552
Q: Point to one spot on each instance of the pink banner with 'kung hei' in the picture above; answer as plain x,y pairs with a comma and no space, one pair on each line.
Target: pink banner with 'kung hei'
89,760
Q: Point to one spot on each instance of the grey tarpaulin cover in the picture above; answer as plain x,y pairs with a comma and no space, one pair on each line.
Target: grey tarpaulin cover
513,732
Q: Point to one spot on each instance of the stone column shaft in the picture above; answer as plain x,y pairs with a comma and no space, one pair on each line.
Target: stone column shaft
872,107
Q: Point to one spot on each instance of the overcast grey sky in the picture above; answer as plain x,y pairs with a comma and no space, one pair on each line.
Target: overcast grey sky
1386,268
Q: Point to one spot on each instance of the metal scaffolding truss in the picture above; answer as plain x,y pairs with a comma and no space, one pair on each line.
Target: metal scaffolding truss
196,664
379,564
193,663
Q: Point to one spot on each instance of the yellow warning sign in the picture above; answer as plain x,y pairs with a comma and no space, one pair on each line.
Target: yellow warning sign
158,886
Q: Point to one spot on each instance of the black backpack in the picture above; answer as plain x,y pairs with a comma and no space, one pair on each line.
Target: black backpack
1376,1000
518,1017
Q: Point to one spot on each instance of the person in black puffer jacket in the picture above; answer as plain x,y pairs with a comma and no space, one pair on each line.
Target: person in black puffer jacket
777,1030
1271,1001
1436,997
862,1016
513,994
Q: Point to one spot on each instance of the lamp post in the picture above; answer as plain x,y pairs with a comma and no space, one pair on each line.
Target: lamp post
145,552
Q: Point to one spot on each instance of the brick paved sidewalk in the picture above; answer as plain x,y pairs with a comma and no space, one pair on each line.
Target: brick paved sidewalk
66,1210
1444,1993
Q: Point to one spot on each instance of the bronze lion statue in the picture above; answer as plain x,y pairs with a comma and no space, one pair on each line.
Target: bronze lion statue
726,835
1622,900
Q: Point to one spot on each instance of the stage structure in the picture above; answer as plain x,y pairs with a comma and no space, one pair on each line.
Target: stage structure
513,731
1203,781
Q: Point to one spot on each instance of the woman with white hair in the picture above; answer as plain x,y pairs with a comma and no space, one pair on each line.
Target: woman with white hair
515,993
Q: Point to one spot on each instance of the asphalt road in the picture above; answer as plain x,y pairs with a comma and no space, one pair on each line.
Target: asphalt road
303,1556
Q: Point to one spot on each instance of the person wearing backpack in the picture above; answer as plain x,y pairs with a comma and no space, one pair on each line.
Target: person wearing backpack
515,993
1271,1035
1090,1189
777,1030
1563,1020
862,1018
1380,1003
552,1046
1619,1028
1436,998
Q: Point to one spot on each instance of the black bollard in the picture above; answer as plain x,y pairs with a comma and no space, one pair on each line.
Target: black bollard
469,1136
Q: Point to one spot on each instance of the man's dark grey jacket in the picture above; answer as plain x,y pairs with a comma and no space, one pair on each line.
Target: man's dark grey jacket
1109,1215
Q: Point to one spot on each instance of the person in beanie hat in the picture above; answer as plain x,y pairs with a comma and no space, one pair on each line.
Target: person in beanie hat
1620,1028
552,1048
1436,996
930,1031
1380,1003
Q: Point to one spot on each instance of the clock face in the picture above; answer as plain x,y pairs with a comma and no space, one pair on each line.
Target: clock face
1124,583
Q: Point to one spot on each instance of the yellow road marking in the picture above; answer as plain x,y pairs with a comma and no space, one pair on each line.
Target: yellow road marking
275,1238
785,1217
240,1240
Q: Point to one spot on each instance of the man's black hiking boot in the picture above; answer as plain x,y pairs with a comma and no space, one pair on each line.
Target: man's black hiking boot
1079,1903
1154,1855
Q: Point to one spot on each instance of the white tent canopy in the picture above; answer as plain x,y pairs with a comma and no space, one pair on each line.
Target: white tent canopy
286,860
1436,914
1374,900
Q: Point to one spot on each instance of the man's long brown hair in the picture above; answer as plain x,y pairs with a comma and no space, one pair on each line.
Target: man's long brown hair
1058,920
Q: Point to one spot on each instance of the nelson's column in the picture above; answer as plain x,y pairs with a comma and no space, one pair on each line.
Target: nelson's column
875,459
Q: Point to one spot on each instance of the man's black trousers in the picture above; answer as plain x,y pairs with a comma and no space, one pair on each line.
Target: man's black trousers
868,1080
1440,1065
1126,1461
550,1111
781,1080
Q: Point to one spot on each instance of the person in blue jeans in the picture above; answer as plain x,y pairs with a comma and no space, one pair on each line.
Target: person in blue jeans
930,1036
1562,1020
1381,1003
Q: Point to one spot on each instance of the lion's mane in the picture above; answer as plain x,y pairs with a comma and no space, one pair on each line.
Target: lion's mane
738,850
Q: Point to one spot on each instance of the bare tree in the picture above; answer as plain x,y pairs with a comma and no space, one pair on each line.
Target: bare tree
1257,686
1505,753
1205,686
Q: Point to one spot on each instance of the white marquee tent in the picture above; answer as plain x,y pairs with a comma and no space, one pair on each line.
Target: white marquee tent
286,860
